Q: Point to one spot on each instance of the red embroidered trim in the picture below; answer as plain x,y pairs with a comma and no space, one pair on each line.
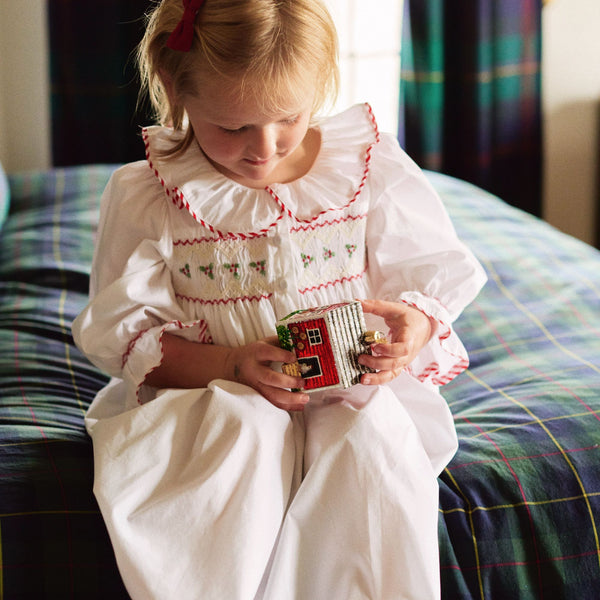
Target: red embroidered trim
180,202
434,367
310,227
130,347
363,181
330,283
456,370
314,226
431,369
204,337
204,240
225,301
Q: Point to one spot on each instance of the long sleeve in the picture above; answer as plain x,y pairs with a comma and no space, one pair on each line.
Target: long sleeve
415,257
132,301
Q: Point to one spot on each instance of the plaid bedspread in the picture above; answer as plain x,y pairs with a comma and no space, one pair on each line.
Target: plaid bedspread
520,502
53,543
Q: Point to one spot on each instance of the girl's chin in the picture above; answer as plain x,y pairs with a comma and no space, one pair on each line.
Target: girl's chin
256,174
257,163
257,171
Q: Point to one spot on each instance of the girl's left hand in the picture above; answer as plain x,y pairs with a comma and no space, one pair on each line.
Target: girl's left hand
410,330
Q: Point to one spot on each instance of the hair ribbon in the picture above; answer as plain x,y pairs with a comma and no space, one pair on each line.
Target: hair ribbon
183,35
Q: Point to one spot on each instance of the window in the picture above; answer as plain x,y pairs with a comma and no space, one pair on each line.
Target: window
310,367
314,337
369,34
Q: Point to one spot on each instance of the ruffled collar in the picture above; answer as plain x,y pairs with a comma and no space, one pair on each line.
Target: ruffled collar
228,208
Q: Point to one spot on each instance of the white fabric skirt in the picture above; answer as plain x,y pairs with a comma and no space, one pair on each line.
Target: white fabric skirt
217,494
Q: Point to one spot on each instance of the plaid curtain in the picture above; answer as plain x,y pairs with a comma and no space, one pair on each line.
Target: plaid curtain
471,93
94,85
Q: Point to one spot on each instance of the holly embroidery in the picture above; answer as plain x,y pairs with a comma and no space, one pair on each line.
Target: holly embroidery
234,269
306,260
208,271
260,267
328,254
351,249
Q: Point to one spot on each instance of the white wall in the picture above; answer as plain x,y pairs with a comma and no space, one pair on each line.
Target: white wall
24,91
571,84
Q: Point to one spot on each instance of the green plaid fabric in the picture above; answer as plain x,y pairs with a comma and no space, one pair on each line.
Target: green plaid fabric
519,503
53,543
471,93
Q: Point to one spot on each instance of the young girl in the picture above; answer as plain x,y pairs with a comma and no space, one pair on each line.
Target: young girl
215,480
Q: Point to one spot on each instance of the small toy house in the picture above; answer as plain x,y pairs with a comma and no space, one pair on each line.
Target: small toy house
327,342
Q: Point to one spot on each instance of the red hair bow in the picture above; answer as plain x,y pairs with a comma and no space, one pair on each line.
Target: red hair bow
183,35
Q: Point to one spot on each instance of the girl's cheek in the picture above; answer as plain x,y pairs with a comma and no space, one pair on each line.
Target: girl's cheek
227,147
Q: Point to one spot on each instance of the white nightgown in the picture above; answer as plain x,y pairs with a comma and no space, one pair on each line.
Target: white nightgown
215,493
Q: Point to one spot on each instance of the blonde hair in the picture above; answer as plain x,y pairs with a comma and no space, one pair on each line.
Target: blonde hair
274,50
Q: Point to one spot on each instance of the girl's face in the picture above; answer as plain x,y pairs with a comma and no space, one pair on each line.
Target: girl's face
248,145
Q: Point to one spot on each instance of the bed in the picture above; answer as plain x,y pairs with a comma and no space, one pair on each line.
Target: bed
519,503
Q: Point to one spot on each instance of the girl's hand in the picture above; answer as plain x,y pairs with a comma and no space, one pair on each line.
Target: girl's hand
188,365
410,330
251,365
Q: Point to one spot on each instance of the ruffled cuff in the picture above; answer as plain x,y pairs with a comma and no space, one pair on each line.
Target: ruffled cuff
444,357
145,353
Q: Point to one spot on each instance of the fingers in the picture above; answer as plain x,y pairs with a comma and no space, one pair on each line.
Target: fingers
386,368
383,364
387,360
267,376
388,356
276,388
253,368
268,351
381,308
409,329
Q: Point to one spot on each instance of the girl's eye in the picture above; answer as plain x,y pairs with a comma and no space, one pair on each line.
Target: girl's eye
233,131
288,122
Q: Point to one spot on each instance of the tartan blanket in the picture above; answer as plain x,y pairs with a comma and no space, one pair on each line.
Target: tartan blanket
53,543
519,503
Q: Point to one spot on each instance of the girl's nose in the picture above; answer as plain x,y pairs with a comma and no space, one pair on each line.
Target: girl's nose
264,143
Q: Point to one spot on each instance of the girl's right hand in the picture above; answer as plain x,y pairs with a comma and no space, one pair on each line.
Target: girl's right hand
188,365
251,365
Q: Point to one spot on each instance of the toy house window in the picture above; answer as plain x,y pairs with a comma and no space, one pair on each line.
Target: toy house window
314,337
310,366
